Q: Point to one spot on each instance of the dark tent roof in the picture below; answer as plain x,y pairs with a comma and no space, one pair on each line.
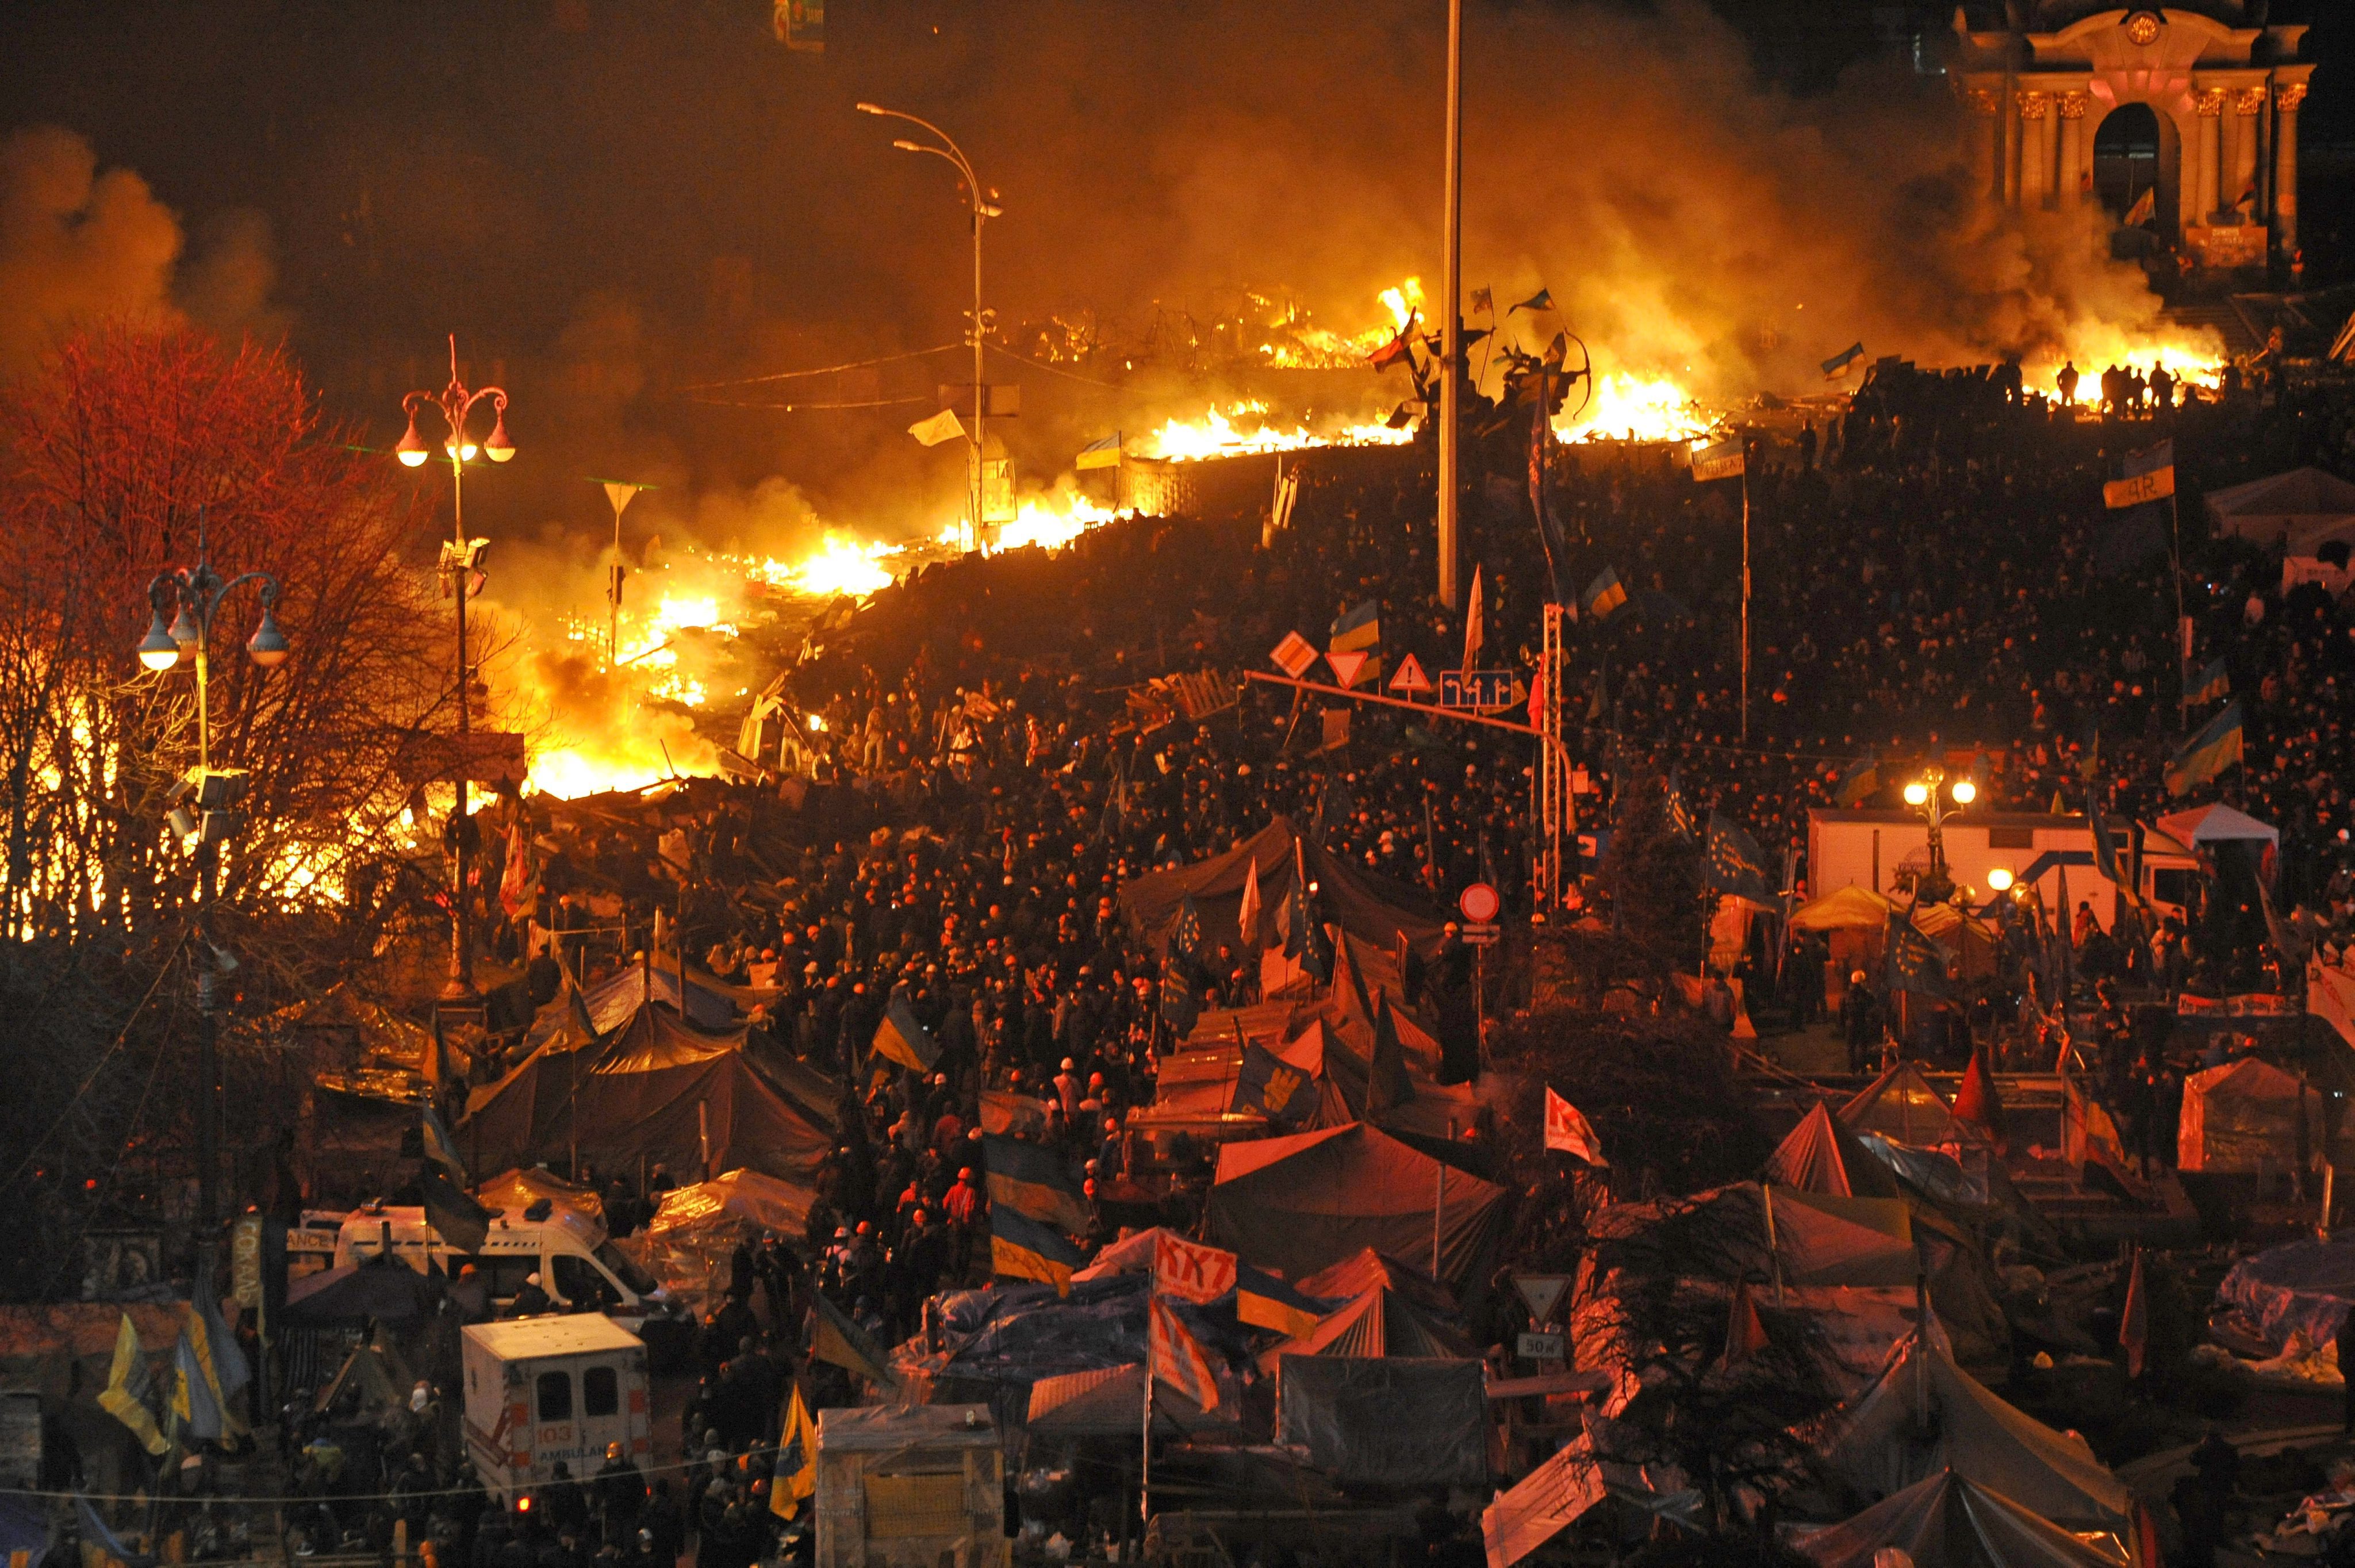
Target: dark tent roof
610,1002
1901,1105
1373,909
653,1089
391,1292
1365,1270
1945,1521
1381,1322
1821,1155
1297,1204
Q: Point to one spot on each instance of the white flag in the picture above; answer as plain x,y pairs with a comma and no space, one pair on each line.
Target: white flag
940,427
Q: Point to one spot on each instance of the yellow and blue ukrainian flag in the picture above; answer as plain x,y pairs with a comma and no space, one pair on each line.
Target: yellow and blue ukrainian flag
2208,753
1604,595
2215,681
1032,1180
1360,631
1022,1248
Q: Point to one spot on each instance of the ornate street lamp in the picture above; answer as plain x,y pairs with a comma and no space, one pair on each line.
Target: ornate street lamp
1934,886
460,559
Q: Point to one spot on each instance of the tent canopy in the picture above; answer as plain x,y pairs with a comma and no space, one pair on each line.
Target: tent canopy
1298,1204
1378,1323
1945,1520
1107,1402
1820,1156
737,1201
2299,1287
2245,1116
611,1002
516,1190
1850,908
1387,1421
1373,909
1874,1444
388,1290
653,1089
1901,1104
2217,824
2306,506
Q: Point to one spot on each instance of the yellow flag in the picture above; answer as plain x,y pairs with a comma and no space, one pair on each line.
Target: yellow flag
942,426
796,1480
124,1396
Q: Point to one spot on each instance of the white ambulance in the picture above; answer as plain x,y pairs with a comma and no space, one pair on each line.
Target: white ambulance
540,1390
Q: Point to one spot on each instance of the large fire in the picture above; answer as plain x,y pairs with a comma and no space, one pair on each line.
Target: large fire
1241,428
2193,353
1292,343
1628,407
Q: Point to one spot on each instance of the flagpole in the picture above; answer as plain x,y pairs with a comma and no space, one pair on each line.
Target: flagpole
2183,644
1144,1462
1745,601
1451,339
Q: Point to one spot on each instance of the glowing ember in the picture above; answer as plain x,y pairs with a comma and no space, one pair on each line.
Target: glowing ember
1634,408
1239,429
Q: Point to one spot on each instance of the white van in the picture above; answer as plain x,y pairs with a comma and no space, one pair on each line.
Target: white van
540,1390
578,1267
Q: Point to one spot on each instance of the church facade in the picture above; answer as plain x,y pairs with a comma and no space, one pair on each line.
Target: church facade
2181,121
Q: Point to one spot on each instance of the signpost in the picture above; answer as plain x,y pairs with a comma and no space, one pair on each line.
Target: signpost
1479,903
1410,677
1541,1293
1480,688
1541,1347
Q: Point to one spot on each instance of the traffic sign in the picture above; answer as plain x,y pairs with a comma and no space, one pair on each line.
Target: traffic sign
1478,688
1410,677
1294,654
1345,665
1478,935
1542,1291
1479,903
1539,1347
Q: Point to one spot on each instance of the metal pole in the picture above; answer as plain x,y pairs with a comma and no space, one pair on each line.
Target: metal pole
1450,331
461,944
980,396
1745,603
1144,1469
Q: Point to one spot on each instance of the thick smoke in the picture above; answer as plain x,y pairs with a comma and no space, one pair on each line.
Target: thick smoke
78,244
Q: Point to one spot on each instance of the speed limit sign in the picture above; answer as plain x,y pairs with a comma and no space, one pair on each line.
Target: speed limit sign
1479,903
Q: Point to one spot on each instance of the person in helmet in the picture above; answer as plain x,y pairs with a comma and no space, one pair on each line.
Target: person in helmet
620,1496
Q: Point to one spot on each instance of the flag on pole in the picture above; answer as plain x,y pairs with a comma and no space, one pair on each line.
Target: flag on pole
2150,476
1022,1248
837,1340
1975,1101
1837,366
1101,452
452,1212
129,1389
1541,300
2145,208
1603,594
1723,460
2215,681
1247,917
1396,349
1857,784
1746,1331
1735,864
516,881
1189,1270
1538,696
440,1147
1568,1132
901,1037
2208,753
2134,1322
1265,1301
1474,633
794,1481
1177,1358
1484,300
1030,1180
1360,631
942,426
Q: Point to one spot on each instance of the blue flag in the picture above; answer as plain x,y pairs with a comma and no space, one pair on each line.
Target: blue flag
1541,300
1914,963
1736,866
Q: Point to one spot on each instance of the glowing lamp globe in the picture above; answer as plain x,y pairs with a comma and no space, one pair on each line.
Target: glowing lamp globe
1999,879
1916,793
411,448
157,651
1965,792
267,646
499,449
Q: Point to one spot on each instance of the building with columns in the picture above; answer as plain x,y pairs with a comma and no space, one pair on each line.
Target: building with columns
2193,106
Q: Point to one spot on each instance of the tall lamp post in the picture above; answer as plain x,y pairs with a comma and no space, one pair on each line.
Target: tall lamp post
205,806
982,208
459,556
1934,885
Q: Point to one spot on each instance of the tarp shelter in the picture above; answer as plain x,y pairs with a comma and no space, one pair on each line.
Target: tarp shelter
613,1001
1820,1156
1561,1492
1821,1239
1392,1422
2299,1287
1296,1204
1850,908
2217,824
738,1202
1365,1270
653,1089
2303,509
1876,1444
385,1290
1373,909
1947,1522
2248,1116
513,1191
1901,1104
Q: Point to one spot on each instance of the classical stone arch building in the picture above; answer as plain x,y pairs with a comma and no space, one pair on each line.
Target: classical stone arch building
2222,87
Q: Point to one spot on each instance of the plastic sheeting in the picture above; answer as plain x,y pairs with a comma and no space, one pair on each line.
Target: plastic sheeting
2246,1117
1875,1444
1379,1323
1298,1204
1947,1522
1392,1421
1902,1105
391,1293
1820,1156
516,1190
2303,1287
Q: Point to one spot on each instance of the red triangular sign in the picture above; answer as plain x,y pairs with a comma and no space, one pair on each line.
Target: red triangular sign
1346,666
1410,677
